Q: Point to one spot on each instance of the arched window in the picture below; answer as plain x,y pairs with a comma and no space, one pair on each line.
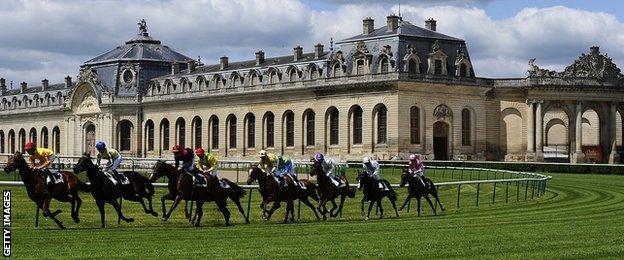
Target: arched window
164,133
273,77
181,132
251,130
438,67
44,137
382,125
357,125
337,70
383,64
309,126
463,70
333,127
11,141
270,129
412,66
214,132
32,135
56,139
313,73
1,141
125,135
255,79
149,131
197,131
466,127
415,125
289,119
293,75
236,80
232,131
22,138
360,69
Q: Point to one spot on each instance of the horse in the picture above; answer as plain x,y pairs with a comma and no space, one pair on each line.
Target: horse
417,190
329,192
374,194
270,192
180,187
41,194
104,191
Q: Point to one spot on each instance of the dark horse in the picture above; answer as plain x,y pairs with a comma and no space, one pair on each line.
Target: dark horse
39,193
270,192
180,187
417,190
329,192
104,191
374,194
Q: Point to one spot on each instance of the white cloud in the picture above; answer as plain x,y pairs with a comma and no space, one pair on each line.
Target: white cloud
51,39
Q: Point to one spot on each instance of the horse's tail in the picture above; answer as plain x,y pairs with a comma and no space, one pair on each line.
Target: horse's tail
83,186
392,194
149,186
240,192
314,190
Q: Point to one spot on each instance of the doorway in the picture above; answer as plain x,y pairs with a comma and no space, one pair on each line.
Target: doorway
90,139
440,140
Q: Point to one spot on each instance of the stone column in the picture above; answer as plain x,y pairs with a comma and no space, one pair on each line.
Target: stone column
578,156
530,137
539,130
613,155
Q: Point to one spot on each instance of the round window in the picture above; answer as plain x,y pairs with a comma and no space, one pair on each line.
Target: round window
128,76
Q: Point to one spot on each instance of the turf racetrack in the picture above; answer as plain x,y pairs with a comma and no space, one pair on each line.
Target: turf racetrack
580,216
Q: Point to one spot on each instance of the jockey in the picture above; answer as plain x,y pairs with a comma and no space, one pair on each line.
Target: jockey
268,164
112,155
416,168
329,166
371,167
206,162
44,155
285,167
186,156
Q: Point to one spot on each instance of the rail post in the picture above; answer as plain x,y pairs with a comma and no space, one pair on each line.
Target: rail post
533,189
299,210
507,192
517,191
478,191
36,216
120,209
458,193
494,194
526,190
237,180
249,202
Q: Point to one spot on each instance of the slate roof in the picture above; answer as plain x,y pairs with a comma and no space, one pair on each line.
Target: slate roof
143,48
51,87
405,29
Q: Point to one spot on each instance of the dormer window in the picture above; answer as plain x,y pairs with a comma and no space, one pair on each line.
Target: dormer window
463,70
462,64
437,60
438,67
360,67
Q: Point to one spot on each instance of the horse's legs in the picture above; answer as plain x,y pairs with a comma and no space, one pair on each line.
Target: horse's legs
149,201
393,202
363,207
240,208
431,204
138,199
276,205
199,213
435,195
187,214
162,200
342,199
77,202
100,205
307,202
407,199
288,209
419,206
224,210
334,207
380,208
117,208
176,201
370,207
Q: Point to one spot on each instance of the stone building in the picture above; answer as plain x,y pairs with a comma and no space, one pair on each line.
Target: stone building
387,92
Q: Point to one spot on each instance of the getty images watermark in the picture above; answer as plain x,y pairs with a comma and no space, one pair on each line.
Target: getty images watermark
6,223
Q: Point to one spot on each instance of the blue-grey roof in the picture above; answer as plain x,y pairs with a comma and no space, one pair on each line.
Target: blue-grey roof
140,48
405,29
51,87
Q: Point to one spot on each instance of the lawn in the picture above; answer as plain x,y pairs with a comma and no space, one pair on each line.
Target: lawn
580,216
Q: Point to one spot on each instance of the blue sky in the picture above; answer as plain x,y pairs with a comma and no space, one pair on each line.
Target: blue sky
51,39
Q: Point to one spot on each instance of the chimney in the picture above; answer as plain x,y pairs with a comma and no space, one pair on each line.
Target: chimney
3,87
430,24
68,81
224,62
192,64
23,87
318,50
393,22
368,24
259,57
297,53
175,68
45,84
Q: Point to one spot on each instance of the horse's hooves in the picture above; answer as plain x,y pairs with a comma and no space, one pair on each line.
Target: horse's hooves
367,218
154,214
129,220
76,219
63,228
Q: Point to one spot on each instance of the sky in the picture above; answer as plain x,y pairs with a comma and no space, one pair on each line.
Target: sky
51,39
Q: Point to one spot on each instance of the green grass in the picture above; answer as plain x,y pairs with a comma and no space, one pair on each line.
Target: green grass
580,216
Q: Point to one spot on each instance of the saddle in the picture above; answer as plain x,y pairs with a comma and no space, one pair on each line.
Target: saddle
224,184
53,178
382,186
119,178
337,181
201,181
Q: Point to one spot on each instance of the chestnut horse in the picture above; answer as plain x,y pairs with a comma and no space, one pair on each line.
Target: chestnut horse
328,192
271,193
417,190
374,194
41,194
180,185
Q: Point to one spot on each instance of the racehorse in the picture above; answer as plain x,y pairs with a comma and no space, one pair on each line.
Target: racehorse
104,191
270,192
417,190
180,187
328,192
40,194
374,194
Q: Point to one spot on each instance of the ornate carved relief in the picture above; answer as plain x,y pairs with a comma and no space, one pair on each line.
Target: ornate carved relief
88,74
127,75
442,112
